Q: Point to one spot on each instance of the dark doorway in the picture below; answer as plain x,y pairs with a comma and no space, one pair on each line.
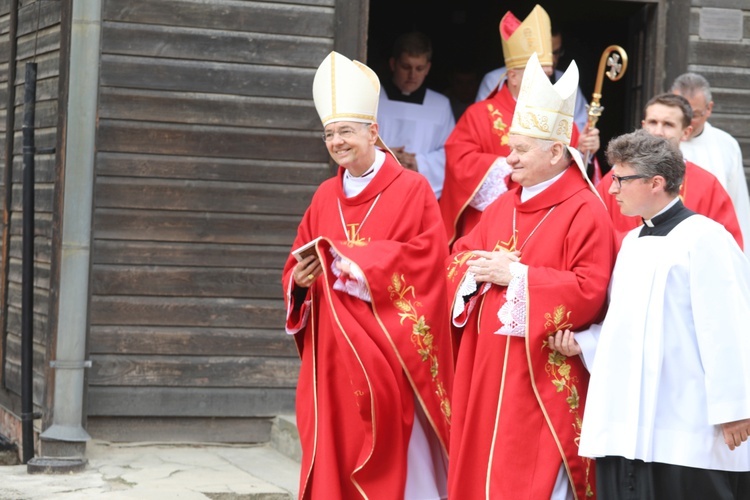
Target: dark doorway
465,37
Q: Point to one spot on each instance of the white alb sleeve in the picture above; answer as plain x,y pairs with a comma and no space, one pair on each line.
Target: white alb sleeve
493,186
512,314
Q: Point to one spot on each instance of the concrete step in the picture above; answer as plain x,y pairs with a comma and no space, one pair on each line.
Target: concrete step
285,437
8,452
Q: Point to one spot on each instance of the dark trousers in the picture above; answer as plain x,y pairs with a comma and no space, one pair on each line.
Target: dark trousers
618,478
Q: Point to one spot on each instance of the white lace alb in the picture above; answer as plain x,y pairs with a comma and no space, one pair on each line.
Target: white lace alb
493,186
513,312
356,287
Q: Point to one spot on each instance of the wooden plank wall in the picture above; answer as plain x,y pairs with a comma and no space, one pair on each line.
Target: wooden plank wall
38,39
726,65
5,68
208,153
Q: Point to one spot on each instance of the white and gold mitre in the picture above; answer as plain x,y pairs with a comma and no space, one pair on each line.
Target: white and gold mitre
521,39
544,110
345,90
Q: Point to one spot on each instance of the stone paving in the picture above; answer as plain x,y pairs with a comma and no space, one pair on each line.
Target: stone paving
162,471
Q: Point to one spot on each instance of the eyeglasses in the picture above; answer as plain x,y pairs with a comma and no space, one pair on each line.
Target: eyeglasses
345,133
618,179
558,53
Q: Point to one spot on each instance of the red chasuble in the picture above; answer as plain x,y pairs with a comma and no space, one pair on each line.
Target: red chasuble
517,404
479,138
700,191
364,364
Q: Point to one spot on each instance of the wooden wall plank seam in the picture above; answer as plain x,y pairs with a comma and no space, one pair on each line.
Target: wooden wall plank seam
159,166
245,16
214,45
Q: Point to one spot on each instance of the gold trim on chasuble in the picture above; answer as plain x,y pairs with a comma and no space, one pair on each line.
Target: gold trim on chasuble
499,128
421,337
313,332
559,371
369,384
497,420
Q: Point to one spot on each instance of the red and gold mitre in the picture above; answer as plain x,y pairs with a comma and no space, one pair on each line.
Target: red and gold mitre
521,39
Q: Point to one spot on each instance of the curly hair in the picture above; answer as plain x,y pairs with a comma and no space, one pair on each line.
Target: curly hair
650,156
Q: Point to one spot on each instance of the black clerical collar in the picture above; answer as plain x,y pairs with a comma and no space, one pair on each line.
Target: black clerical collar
394,94
662,224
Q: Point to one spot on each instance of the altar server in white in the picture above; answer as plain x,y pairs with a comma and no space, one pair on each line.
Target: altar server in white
414,120
668,408
713,149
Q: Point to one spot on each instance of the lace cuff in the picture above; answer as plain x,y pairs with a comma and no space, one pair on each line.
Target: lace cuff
353,284
512,314
493,186
468,286
462,306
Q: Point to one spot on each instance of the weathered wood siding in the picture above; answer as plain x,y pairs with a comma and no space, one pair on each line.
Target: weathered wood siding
5,55
208,152
38,39
726,65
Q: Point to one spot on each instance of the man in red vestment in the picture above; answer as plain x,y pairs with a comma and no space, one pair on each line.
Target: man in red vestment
371,325
669,116
476,170
540,257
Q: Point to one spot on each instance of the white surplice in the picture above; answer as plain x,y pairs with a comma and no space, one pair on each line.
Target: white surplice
673,355
719,153
422,129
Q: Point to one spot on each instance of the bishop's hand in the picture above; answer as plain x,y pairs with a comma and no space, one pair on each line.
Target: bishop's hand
306,271
493,267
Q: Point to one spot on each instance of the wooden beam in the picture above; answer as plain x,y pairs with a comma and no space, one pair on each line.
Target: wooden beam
189,402
676,40
350,28
197,430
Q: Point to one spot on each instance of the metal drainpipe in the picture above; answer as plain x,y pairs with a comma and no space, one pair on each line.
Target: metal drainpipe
66,431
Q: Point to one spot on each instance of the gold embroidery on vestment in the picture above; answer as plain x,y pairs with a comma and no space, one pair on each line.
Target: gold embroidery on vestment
509,245
558,369
421,337
458,261
558,319
353,239
499,127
